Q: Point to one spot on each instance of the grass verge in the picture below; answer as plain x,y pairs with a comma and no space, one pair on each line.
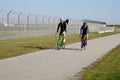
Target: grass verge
107,68
12,48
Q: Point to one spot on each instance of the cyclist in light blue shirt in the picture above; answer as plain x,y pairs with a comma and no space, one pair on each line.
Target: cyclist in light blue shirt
84,31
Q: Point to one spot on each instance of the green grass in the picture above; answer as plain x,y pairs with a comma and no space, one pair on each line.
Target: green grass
107,68
12,48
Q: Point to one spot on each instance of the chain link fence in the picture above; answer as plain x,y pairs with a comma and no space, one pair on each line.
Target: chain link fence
14,25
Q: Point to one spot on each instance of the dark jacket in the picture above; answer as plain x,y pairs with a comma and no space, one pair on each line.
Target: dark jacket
84,30
61,27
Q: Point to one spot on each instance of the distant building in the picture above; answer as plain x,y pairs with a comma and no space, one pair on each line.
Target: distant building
94,26
98,26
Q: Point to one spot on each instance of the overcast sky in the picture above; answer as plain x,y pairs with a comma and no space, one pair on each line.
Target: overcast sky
99,10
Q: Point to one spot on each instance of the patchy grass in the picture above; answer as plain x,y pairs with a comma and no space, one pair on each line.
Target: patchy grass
12,48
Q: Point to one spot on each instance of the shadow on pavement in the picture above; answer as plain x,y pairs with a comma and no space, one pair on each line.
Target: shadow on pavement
65,48
44,48
41,48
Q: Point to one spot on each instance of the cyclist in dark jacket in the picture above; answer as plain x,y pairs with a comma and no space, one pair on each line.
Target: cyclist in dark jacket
62,27
84,31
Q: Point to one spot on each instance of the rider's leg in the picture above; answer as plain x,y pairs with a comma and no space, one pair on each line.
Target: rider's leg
81,42
60,41
85,41
64,34
64,39
86,38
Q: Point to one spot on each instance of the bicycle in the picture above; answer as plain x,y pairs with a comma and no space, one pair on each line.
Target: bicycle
60,42
83,42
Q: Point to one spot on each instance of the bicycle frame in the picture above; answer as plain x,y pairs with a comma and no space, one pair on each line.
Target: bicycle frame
83,41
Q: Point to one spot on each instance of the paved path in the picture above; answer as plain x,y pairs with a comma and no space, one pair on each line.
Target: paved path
52,64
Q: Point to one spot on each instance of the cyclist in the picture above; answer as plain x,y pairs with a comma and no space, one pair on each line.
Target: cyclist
62,27
84,31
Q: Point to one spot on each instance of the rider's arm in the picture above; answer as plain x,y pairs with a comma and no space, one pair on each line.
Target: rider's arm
81,31
87,32
65,27
58,27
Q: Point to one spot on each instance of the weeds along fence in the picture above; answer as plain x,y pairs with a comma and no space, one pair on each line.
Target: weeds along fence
14,25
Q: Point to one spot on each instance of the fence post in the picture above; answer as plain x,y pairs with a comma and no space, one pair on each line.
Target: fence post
19,18
1,15
49,20
49,25
28,19
36,18
43,19
8,18
54,26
